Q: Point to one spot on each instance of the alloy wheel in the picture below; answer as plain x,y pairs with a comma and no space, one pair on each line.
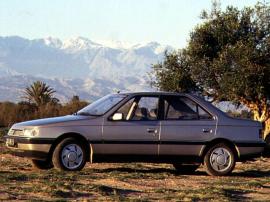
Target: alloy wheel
72,156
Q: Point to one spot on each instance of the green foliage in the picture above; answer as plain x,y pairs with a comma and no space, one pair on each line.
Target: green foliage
230,53
40,104
173,74
7,113
11,113
230,57
3,132
40,94
227,57
73,105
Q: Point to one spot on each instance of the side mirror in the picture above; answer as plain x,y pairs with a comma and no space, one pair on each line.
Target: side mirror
117,117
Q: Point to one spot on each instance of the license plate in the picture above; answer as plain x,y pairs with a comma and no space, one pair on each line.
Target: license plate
10,142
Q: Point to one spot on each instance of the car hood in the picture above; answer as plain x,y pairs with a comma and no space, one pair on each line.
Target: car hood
53,121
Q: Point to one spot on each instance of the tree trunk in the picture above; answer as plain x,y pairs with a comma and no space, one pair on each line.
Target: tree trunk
261,113
266,128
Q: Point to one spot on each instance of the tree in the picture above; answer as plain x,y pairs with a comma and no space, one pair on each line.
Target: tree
74,105
40,94
228,57
173,74
7,113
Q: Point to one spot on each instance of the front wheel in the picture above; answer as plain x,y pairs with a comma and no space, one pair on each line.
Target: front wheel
69,155
219,160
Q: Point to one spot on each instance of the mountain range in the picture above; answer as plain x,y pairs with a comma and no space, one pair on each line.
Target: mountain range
77,66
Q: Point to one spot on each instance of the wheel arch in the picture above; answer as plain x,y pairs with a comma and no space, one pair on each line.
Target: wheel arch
217,141
77,136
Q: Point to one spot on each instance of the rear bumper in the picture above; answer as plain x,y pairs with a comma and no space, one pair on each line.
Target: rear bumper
34,148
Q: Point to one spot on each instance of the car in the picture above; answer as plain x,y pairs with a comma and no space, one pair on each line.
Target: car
161,127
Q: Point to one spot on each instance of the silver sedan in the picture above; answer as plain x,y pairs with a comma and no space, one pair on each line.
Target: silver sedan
181,129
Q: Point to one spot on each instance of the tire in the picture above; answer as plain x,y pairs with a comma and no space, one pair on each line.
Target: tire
266,152
185,169
42,165
69,155
219,160
267,141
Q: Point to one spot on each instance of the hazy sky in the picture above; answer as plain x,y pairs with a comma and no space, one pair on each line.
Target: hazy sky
134,21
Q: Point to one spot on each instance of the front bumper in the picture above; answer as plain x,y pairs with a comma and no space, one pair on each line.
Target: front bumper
34,148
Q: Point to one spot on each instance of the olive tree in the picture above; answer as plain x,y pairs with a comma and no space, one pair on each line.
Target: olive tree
173,73
227,57
230,57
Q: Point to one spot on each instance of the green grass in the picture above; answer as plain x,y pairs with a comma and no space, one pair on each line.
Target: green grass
135,182
130,182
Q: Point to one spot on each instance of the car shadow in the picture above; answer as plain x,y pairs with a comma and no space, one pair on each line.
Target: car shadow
236,195
248,173
5,172
107,190
146,171
266,153
252,173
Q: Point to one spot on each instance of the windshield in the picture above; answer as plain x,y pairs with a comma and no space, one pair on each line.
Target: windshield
102,105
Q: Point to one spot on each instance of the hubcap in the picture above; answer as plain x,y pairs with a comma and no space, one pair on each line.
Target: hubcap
72,156
220,159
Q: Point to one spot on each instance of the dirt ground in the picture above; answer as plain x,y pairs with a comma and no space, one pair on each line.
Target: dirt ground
135,182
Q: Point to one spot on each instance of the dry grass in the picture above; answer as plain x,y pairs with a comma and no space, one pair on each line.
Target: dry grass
135,182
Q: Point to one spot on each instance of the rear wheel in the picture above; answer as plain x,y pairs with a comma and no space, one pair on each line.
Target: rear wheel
185,169
267,147
43,165
219,160
267,141
70,155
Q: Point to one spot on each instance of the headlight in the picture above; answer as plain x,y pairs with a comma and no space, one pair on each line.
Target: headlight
11,132
30,132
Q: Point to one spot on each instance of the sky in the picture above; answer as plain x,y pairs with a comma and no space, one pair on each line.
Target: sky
168,22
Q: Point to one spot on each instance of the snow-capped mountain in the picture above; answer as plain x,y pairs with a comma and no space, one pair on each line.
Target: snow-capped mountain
77,66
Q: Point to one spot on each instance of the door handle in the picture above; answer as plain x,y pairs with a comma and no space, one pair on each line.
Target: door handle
152,130
206,130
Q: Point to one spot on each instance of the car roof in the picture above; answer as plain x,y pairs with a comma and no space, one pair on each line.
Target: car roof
152,93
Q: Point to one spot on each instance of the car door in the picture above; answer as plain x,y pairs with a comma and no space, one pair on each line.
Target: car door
185,127
137,133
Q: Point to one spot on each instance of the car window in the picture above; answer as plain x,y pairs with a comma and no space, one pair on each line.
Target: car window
102,105
146,108
203,114
126,109
182,108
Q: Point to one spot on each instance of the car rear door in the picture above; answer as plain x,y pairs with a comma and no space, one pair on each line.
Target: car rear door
186,126
138,132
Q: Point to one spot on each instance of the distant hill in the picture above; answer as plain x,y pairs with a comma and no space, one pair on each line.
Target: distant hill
76,66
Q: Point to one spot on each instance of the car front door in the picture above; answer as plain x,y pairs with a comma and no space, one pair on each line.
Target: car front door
185,127
137,131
